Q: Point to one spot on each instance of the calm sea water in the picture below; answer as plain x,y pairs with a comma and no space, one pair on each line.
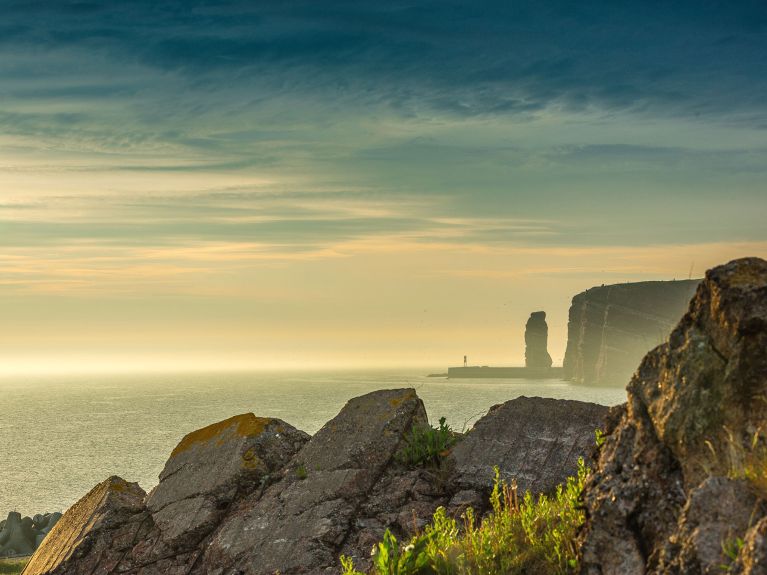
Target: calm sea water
60,436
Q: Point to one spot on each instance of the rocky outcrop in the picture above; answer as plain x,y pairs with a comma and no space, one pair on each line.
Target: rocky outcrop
677,480
21,536
95,533
610,328
533,440
300,522
537,340
211,467
118,527
255,496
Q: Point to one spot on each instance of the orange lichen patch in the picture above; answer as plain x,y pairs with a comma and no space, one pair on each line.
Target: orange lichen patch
245,425
397,401
118,486
250,460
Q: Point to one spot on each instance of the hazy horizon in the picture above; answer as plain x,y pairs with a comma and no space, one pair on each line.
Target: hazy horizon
238,185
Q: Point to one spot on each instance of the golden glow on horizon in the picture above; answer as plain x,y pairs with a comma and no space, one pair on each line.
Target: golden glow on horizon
401,303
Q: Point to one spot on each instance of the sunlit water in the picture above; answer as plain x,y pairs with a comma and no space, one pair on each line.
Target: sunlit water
60,436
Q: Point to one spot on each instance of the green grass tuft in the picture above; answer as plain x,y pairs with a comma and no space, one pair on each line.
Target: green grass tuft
426,445
534,536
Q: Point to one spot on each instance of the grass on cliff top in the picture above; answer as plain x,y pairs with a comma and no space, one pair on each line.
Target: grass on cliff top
12,566
532,536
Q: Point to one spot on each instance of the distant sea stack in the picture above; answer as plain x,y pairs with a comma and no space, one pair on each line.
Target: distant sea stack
536,341
610,328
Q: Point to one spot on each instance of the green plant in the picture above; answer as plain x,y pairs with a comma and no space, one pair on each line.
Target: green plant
600,437
301,472
427,445
534,536
731,549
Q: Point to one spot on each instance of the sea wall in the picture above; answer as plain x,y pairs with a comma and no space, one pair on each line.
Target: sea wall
22,535
610,328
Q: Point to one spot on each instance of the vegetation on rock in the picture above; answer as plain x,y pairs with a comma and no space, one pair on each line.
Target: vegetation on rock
426,445
516,537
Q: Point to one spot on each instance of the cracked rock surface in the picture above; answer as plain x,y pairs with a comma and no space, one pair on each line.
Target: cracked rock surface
661,499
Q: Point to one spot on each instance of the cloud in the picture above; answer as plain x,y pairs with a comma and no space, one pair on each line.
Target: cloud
487,58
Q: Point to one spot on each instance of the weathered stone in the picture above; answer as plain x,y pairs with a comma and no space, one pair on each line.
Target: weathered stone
95,533
210,467
534,441
536,341
717,512
299,524
338,494
403,500
610,328
693,401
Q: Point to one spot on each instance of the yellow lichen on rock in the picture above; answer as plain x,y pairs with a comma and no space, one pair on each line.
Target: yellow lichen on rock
247,425
251,461
397,401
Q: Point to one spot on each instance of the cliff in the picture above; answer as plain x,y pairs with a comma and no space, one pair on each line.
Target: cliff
680,483
256,496
610,328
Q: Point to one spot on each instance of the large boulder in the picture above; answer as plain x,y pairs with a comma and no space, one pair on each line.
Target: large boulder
95,533
210,467
695,412
534,441
300,523
116,527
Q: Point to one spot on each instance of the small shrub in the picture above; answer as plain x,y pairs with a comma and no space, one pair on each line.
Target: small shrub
427,445
599,437
534,536
301,472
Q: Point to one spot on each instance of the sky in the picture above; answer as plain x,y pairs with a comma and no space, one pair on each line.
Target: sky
323,184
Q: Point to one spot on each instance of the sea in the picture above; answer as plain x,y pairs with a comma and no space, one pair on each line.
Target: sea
61,435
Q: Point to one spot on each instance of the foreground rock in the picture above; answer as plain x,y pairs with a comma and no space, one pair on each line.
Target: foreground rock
253,496
301,521
537,341
534,441
211,467
95,533
666,495
610,328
